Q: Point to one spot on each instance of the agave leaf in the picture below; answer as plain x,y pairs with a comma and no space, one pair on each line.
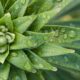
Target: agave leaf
4,71
70,61
8,4
44,17
4,56
18,8
36,76
1,10
40,63
39,6
67,36
22,23
17,74
50,49
20,60
23,42
6,19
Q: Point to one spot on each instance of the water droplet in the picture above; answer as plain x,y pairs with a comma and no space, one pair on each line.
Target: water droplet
34,71
56,33
54,69
40,65
65,36
14,54
23,1
72,34
63,30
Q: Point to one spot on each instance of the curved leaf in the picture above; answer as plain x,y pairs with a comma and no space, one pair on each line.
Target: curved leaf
40,63
18,8
20,60
22,23
50,49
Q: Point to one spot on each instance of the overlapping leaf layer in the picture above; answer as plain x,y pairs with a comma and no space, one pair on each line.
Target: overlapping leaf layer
33,49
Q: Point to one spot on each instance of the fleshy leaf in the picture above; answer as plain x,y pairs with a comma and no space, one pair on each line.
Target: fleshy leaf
4,56
1,10
44,17
22,42
40,63
67,36
39,6
22,23
6,19
50,49
70,61
4,71
17,74
20,60
18,8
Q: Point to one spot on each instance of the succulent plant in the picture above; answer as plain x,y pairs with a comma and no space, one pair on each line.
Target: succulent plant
33,43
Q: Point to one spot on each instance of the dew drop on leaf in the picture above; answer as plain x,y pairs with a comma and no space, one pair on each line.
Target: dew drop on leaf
23,1
14,54
65,36
72,34
41,66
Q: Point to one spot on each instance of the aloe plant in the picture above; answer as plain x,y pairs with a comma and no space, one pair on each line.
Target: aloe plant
32,47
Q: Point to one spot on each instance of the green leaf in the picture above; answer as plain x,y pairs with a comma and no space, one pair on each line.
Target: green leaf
70,61
67,36
6,19
22,42
22,23
38,6
17,74
4,56
44,17
4,71
50,49
1,10
18,8
20,60
40,63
